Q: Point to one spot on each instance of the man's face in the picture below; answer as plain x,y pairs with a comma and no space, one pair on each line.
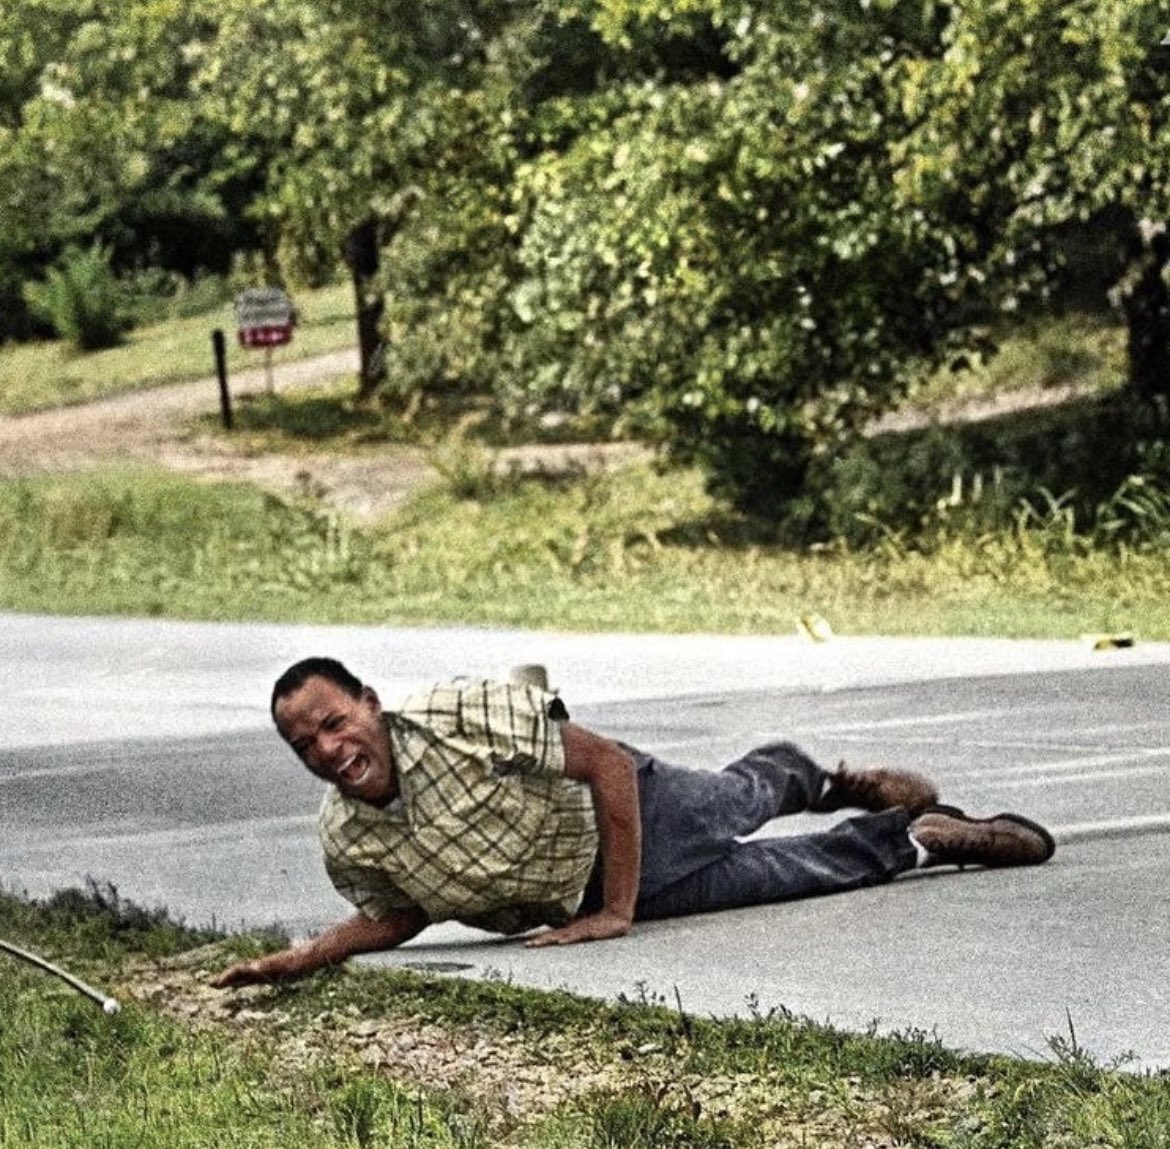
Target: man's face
340,738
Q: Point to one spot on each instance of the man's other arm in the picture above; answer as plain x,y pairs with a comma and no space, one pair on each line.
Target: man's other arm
609,772
356,935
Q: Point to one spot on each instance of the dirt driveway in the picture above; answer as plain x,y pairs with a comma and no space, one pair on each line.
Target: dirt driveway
160,426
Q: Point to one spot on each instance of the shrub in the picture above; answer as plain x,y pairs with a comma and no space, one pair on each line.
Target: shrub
81,299
154,295
977,476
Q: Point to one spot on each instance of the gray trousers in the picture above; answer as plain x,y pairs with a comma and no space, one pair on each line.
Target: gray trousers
692,821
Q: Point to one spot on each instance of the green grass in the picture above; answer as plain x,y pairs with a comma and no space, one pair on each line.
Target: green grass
34,376
632,550
1083,351
71,1075
282,1066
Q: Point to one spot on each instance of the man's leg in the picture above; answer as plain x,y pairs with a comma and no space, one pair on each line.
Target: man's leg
691,818
858,852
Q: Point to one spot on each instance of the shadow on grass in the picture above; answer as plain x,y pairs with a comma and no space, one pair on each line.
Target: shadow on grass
1075,461
1072,458
336,417
1076,454
317,419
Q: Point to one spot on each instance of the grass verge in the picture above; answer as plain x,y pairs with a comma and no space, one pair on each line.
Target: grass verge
391,1058
40,375
628,550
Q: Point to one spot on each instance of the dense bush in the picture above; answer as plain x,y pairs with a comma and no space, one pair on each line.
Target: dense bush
1102,464
82,299
747,251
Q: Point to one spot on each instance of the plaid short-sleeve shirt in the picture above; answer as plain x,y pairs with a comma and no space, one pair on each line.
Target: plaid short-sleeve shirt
486,828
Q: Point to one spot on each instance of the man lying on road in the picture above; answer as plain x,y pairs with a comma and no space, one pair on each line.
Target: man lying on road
481,802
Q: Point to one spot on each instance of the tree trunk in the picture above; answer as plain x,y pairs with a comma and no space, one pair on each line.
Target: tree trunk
361,252
1144,297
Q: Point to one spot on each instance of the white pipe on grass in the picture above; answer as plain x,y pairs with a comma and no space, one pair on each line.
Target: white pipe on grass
109,1004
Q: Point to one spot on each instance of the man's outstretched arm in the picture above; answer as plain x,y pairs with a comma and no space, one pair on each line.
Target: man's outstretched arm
609,772
355,935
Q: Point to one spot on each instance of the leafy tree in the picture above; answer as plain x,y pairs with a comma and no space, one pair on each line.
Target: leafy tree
335,104
759,261
1038,116
99,141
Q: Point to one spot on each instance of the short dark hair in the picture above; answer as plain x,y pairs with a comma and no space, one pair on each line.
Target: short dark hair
300,672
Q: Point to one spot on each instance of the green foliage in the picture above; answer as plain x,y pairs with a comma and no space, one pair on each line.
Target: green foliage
82,300
1100,463
748,259
724,256
100,142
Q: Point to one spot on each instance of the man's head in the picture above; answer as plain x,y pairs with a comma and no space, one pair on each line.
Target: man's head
334,724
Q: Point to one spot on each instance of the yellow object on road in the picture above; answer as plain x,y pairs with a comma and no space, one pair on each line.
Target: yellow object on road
815,627
1110,641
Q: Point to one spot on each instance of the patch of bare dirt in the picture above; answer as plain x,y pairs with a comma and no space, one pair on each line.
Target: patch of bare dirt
517,1078
505,1074
975,409
159,426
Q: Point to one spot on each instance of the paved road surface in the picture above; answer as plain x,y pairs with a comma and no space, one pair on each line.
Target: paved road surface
138,753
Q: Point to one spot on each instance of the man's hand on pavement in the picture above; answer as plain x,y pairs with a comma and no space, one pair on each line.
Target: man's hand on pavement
593,928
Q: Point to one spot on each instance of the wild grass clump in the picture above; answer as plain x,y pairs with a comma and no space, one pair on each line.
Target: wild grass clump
73,1076
100,919
1080,350
143,542
1093,456
628,550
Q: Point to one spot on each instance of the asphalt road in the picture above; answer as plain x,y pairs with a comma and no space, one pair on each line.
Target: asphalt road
138,753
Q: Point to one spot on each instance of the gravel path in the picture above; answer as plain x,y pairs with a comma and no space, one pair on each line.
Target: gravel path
159,426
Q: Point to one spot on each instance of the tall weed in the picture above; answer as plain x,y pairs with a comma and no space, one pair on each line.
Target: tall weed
81,299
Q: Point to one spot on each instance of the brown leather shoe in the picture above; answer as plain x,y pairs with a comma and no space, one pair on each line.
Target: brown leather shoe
876,789
950,837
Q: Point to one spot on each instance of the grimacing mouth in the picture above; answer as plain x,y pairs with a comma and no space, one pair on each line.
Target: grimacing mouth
355,769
